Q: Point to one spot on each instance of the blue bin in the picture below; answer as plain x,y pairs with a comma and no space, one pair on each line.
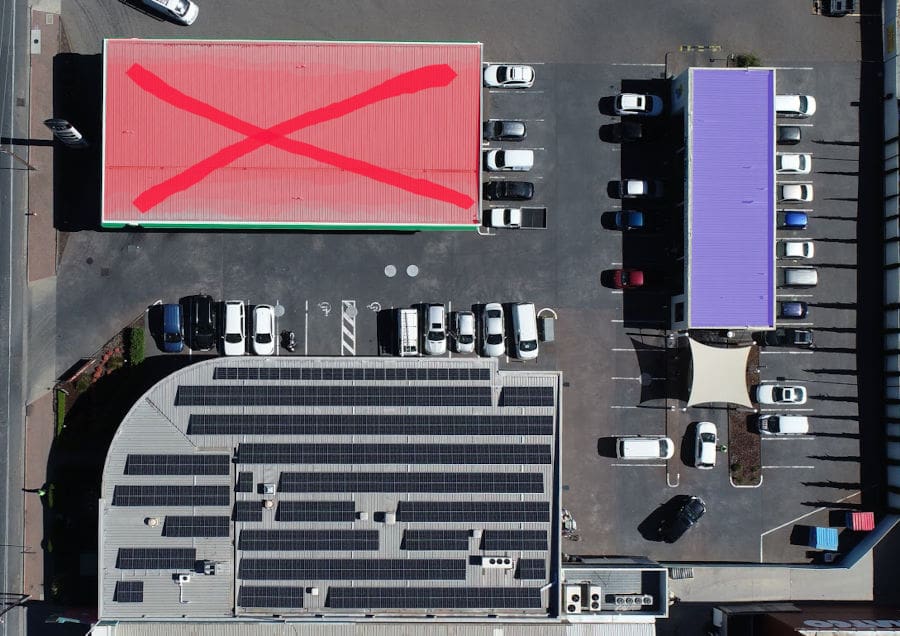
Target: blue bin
823,538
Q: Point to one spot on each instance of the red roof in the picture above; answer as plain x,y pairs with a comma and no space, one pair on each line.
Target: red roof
244,133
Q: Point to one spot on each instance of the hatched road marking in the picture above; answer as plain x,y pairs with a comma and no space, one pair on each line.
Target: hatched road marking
348,327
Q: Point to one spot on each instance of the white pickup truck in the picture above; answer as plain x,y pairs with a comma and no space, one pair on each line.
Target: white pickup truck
517,218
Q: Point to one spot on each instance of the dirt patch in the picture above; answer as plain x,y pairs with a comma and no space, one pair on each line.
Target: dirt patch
744,445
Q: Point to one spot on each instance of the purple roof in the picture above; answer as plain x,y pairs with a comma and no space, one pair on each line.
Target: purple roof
731,198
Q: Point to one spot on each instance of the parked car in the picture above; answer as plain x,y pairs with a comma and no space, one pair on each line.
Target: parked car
492,330
508,76
686,517
233,336
705,444
793,163
436,336
264,330
629,220
201,318
795,192
640,447
781,394
181,11
518,160
525,331
782,424
624,132
634,188
797,249
793,220
172,328
795,105
793,309
800,276
504,130
785,337
788,135
637,104
628,278
508,190
464,331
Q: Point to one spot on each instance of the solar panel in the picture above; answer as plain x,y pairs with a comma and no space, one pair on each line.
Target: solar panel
351,424
171,496
270,596
156,558
514,540
353,569
196,526
316,511
129,592
289,540
412,482
394,454
531,569
435,540
178,464
474,511
355,373
434,597
248,511
526,396
244,482
333,395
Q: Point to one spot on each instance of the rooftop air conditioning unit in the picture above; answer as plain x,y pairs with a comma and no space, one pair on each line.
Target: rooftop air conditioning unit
211,568
362,516
594,598
390,518
476,533
647,599
152,521
268,503
497,562
573,599
268,489
184,578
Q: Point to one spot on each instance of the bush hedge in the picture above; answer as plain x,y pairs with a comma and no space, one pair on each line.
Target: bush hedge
134,337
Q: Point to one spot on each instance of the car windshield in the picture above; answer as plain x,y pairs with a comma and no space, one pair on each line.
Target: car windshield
233,337
707,438
528,345
782,395
465,339
625,278
494,339
180,7
493,313
435,336
503,74
263,338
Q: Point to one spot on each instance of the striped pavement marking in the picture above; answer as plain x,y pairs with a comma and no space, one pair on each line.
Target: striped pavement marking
348,327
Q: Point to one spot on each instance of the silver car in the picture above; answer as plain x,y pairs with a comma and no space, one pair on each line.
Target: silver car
492,330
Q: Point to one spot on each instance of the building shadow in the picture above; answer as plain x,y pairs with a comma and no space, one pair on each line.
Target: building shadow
18,141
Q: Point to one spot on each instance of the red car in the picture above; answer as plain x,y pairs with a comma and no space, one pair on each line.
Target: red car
628,278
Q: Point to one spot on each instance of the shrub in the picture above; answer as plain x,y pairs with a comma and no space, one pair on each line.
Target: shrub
84,383
134,337
115,362
744,60
60,411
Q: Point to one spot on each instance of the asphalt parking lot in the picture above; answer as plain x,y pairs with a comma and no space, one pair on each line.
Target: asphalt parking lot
609,343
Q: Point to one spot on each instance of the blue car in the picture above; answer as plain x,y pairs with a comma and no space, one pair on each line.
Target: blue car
629,220
794,220
173,329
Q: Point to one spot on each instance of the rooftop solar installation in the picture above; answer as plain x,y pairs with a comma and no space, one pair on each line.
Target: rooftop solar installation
433,597
342,395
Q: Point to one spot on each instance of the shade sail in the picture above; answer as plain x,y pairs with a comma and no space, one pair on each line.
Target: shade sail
718,375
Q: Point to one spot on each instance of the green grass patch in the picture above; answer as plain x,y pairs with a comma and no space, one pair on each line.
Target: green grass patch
60,411
134,339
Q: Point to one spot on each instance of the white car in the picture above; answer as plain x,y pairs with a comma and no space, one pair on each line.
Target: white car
182,11
780,394
264,330
793,163
492,330
465,332
797,249
705,445
233,343
637,104
518,160
635,188
436,336
795,192
508,76
795,105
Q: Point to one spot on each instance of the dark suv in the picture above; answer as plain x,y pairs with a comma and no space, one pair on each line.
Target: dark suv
201,317
687,515
508,190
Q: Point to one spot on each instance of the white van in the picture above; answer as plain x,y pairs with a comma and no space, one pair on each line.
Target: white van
525,333
783,424
407,332
644,447
800,277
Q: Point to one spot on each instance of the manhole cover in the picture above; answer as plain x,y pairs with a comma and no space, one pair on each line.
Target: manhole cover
279,310
390,271
412,271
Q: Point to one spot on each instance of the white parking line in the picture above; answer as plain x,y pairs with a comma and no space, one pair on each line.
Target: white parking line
792,353
642,350
788,466
783,438
790,295
306,328
795,520
794,68
642,322
613,406
616,291
618,377
507,91
794,324
636,465
775,407
635,64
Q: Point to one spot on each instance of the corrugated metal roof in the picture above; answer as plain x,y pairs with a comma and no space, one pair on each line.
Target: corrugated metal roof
731,198
263,133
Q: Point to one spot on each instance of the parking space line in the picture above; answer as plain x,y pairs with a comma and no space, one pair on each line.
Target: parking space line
794,324
783,410
635,64
794,68
506,91
791,353
636,465
638,379
642,350
795,520
613,406
642,322
306,328
793,295
348,327
616,291
784,438
810,467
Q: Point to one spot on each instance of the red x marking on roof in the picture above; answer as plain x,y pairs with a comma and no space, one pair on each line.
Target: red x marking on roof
423,78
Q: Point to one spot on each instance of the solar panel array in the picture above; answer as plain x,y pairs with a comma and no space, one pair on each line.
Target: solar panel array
333,395
316,511
531,569
248,511
270,596
353,569
435,540
474,511
434,597
526,396
514,540
176,526
412,482
156,558
129,592
195,464
296,540
358,453
171,496
352,424
353,374
244,482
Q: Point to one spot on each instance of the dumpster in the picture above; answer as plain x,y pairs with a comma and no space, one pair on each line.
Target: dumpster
823,538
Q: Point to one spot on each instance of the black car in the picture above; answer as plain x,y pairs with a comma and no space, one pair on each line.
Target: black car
788,135
796,309
687,515
201,317
508,190
623,132
784,337
504,130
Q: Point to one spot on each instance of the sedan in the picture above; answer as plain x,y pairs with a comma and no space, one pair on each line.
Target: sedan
436,337
637,104
201,316
623,132
784,337
508,76
517,160
793,220
629,220
780,394
492,330
705,445
508,190
685,518
793,309
788,135
504,130
793,163
795,192
181,11
465,332
797,249
264,330
628,278
635,188
795,105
